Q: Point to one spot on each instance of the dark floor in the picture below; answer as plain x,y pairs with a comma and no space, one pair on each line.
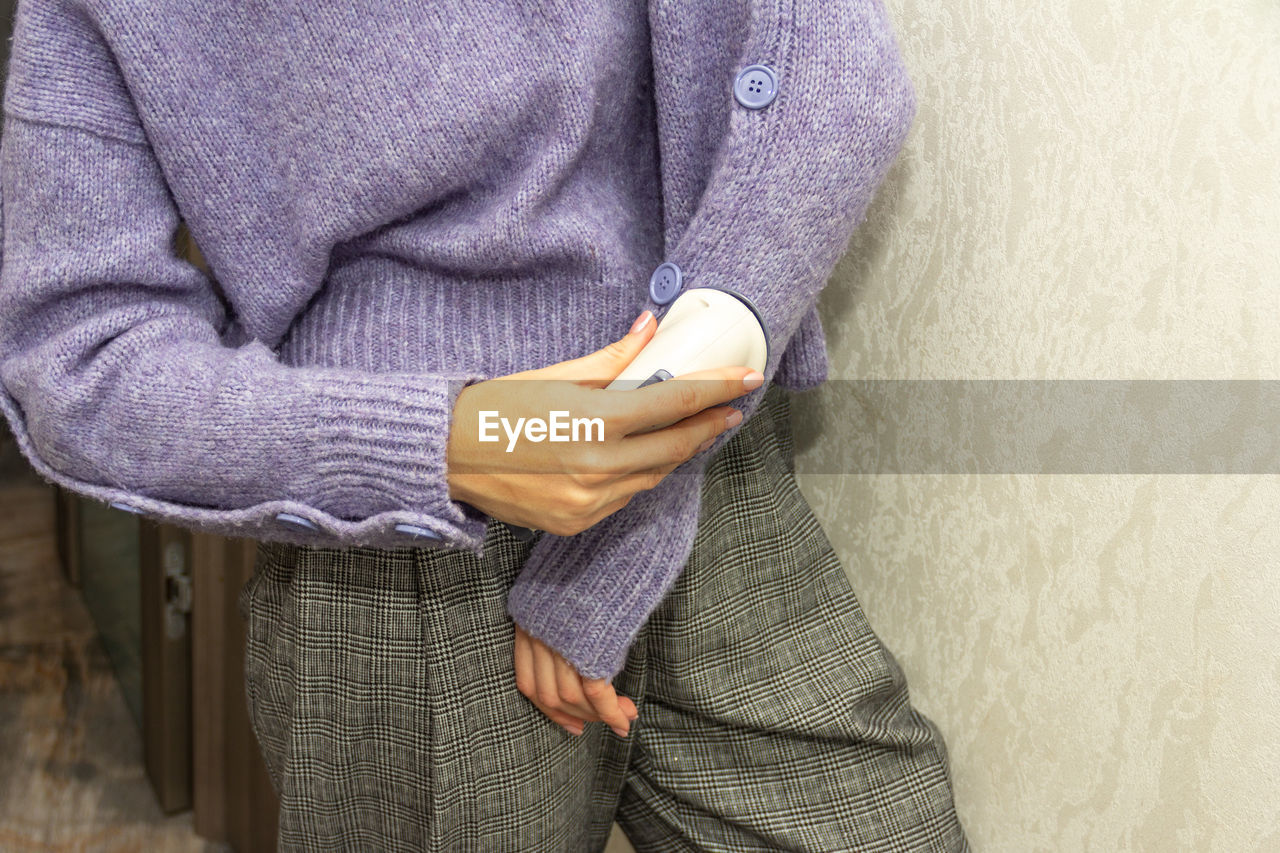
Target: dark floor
71,774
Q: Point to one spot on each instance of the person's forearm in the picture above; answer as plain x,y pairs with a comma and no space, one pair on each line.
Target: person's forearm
761,201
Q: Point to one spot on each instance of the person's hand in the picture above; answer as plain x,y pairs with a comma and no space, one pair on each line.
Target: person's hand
552,684
565,487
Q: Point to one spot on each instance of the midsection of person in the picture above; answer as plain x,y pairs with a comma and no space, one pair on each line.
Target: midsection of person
449,166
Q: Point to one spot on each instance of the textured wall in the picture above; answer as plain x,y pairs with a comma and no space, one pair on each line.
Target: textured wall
1091,190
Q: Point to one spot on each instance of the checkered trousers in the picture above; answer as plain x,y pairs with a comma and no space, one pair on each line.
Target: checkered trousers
382,691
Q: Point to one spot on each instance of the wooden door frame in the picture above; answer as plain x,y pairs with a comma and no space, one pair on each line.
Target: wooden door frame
233,796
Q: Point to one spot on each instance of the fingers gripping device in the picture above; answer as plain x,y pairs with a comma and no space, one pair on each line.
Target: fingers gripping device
705,328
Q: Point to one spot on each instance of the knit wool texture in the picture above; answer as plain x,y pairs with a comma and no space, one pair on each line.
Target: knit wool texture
395,201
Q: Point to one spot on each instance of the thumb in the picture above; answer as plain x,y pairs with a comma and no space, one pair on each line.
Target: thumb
601,367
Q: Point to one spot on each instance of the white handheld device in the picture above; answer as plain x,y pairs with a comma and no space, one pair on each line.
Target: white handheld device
704,328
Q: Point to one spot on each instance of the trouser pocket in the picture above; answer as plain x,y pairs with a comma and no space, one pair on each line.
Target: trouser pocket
343,707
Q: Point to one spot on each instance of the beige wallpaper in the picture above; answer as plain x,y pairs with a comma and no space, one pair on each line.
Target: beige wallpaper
1091,190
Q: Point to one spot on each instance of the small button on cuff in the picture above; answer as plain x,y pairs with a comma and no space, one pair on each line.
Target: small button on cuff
415,530
756,86
296,521
665,283
127,508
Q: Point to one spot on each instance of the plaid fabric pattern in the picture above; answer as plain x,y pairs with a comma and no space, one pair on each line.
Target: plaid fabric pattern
382,692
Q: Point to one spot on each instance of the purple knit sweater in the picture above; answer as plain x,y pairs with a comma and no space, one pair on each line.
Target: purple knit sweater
395,200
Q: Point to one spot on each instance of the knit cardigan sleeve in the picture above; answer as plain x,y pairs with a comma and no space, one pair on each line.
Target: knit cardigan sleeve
116,373
763,204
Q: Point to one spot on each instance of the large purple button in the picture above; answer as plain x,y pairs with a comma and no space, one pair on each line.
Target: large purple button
665,282
756,86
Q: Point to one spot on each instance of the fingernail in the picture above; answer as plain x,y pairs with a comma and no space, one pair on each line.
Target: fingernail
754,379
618,731
574,730
701,447
641,322
732,419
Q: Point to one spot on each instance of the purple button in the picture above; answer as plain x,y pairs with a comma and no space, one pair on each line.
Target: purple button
296,521
756,86
665,282
415,530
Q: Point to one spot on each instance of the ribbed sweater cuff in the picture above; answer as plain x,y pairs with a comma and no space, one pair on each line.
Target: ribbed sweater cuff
378,443
587,596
